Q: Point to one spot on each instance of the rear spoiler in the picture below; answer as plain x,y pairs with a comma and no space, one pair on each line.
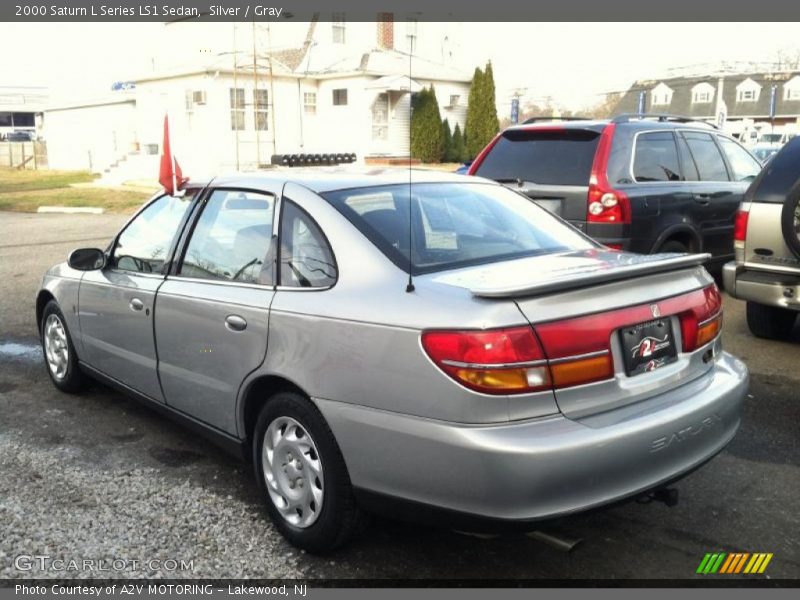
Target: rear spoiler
576,279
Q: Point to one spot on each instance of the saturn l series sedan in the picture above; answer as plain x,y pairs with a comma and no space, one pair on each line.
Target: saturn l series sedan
427,345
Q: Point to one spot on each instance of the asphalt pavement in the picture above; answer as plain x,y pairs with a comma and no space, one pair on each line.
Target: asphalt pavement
98,476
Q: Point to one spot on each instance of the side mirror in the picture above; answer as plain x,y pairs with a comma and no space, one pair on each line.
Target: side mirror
87,259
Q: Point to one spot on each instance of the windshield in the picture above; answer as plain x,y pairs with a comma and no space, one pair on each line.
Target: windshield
770,138
552,157
453,224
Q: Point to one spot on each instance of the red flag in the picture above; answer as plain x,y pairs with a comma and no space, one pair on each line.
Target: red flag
170,175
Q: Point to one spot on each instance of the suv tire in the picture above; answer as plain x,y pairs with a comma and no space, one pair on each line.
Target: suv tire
770,322
304,468
790,220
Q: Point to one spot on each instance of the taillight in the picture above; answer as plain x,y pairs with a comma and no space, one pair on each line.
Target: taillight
703,322
499,361
604,203
740,227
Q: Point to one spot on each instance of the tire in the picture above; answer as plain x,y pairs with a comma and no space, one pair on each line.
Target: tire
790,221
770,322
673,246
60,358
324,519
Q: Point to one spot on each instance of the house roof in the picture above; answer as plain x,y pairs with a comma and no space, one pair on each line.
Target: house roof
682,96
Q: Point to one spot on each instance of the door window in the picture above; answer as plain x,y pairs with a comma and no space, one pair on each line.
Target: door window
745,167
144,245
656,158
706,155
688,167
231,240
306,257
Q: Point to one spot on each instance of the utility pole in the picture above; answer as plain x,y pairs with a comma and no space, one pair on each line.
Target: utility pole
271,102
256,103
235,103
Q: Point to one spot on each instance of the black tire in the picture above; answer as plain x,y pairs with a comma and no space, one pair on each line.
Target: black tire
340,518
72,380
673,246
790,220
770,322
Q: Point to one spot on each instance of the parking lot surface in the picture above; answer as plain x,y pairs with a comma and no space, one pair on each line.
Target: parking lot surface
98,476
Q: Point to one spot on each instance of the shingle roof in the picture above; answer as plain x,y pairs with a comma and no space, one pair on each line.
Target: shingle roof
682,96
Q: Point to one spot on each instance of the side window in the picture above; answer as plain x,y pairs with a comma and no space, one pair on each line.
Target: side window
231,240
144,244
745,167
687,161
706,156
656,158
306,259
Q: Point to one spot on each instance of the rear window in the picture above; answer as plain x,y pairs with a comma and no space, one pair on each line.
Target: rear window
451,225
779,177
551,157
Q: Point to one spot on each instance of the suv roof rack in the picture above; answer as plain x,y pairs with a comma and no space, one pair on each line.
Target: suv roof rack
542,119
661,117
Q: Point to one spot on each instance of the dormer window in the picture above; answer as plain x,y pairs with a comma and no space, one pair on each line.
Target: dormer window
661,95
702,93
747,91
791,89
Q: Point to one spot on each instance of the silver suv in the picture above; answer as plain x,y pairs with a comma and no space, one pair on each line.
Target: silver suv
766,270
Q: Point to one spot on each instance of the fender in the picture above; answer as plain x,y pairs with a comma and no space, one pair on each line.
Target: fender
679,228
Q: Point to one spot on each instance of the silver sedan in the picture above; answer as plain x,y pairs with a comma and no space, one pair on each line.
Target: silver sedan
414,343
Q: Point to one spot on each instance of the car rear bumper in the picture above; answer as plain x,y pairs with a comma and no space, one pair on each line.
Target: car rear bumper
542,468
769,288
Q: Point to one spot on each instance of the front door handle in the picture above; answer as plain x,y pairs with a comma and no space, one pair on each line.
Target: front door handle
136,304
235,323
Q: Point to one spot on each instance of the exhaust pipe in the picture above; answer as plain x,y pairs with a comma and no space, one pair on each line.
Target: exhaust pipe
559,542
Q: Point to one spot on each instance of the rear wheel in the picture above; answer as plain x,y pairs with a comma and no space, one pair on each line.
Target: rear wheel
770,322
302,474
59,353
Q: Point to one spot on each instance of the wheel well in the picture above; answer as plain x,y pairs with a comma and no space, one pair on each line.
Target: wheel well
687,238
41,301
257,394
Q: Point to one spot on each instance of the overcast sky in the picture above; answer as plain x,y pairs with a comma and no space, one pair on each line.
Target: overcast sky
571,62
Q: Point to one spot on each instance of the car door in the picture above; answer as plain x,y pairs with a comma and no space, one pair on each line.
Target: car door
212,313
116,303
716,197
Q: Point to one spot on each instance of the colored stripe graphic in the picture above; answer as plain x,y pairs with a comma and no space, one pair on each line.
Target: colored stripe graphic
734,563
703,564
727,564
765,563
740,564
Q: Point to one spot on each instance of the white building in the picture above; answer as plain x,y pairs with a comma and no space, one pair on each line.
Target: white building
343,87
21,108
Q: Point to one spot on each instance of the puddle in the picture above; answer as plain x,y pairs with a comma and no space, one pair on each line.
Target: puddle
16,350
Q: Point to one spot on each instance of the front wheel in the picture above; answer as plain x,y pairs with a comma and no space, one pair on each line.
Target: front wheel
770,322
302,475
59,353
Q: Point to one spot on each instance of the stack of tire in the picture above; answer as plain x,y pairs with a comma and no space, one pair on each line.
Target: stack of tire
313,160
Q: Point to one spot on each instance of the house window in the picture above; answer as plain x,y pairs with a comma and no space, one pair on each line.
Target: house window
411,35
660,99
380,118
701,98
310,103
791,94
237,109
337,27
340,97
454,98
261,109
746,96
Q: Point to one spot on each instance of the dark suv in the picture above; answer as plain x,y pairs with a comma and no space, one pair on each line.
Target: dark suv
649,183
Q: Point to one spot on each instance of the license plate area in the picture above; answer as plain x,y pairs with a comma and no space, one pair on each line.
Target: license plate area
648,346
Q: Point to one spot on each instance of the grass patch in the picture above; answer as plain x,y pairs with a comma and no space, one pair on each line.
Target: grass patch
110,200
21,180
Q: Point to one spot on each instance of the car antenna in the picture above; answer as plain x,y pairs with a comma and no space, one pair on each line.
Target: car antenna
410,285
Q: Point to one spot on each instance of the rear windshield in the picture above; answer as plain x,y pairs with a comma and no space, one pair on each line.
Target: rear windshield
779,177
451,225
551,157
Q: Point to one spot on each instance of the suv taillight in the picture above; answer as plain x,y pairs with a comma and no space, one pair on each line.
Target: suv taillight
740,227
605,204
498,361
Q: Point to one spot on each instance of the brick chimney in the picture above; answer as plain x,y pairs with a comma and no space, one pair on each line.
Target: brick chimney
385,31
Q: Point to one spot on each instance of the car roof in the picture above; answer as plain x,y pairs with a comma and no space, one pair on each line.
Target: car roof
599,124
328,179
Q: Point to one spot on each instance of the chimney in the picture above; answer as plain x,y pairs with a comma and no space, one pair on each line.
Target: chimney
386,31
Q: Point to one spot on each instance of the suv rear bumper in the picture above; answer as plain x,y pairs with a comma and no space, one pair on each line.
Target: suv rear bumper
546,467
616,235
770,288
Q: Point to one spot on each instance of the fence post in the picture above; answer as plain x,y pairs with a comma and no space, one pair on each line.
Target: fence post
33,149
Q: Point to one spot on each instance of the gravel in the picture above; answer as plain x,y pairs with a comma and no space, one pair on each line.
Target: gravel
54,505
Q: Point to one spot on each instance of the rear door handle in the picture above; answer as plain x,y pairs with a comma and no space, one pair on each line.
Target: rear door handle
235,323
703,199
136,304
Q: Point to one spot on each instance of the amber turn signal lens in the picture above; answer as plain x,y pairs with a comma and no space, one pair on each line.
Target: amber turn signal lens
709,330
585,370
505,380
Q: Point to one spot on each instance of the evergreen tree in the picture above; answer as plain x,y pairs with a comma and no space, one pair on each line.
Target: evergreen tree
457,147
482,122
427,139
471,127
447,143
492,123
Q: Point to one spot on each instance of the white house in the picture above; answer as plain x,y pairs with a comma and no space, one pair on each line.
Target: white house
20,107
343,87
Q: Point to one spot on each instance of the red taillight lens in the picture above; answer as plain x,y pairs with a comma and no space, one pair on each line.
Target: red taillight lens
740,226
499,361
605,204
